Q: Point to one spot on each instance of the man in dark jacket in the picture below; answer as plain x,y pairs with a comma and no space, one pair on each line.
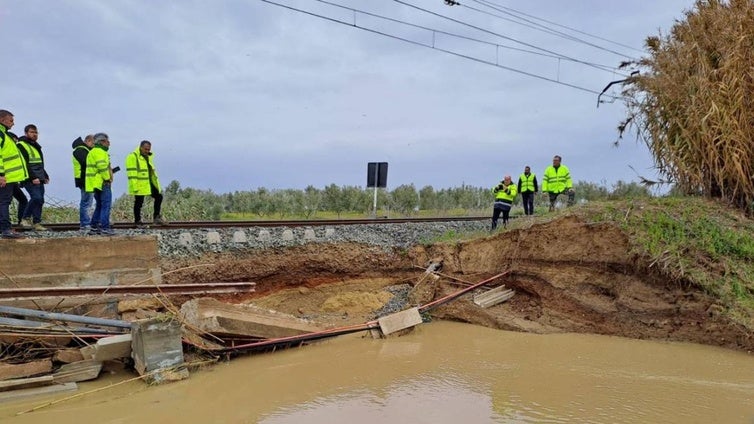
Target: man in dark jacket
32,153
80,151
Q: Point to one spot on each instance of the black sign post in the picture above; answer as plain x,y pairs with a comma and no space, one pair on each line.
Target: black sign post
377,178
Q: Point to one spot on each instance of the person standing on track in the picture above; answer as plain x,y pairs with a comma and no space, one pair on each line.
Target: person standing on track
143,181
12,172
81,149
99,177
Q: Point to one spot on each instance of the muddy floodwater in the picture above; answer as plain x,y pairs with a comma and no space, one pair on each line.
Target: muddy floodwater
443,372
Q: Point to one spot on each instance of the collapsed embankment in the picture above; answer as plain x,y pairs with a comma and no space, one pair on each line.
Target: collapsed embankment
569,274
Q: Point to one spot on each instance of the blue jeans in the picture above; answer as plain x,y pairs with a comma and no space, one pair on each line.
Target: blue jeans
85,205
103,199
36,200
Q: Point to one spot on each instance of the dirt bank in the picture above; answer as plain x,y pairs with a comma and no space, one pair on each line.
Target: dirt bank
569,276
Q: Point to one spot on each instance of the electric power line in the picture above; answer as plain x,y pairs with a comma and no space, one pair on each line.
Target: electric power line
508,68
514,11
496,34
606,68
539,27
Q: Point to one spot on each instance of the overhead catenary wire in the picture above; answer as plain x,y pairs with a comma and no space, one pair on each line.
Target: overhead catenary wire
486,62
514,12
539,27
607,68
478,28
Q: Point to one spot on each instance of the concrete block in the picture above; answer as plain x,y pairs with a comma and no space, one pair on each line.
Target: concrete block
400,320
112,348
157,350
287,235
213,237
87,352
309,234
264,235
329,232
185,239
239,237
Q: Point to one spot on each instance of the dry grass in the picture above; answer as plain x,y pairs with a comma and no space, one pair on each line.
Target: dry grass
693,101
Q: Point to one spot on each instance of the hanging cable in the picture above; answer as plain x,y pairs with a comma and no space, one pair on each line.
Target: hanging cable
508,68
514,12
539,27
606,68
495,33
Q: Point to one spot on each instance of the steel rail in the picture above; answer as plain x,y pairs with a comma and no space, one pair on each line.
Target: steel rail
275,223
176,289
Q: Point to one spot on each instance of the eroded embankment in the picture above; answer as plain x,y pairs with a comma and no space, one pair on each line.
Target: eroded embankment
569,276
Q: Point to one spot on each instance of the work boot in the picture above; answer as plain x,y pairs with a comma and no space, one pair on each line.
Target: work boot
107,232
39,227
141,225
159,221
26,223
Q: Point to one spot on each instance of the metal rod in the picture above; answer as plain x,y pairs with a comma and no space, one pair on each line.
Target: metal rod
40,292
54,316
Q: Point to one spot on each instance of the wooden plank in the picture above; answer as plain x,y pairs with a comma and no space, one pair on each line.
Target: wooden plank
399,320
25,383
14,395
493,297
28,369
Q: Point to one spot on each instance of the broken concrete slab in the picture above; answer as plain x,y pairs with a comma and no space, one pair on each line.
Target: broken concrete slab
78,371
213,316
28,369
399,321
112,348
14,395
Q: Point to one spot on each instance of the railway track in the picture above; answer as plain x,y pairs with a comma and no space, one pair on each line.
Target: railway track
281,223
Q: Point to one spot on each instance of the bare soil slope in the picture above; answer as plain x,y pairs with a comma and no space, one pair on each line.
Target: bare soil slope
569,276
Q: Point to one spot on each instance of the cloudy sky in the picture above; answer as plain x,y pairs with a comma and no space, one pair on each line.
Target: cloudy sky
241,94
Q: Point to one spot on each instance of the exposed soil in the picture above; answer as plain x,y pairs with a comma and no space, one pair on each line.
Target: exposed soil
569,276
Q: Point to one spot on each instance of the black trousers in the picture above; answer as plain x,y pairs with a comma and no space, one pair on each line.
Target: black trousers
6,196
19,195
139,202
527,198
500,208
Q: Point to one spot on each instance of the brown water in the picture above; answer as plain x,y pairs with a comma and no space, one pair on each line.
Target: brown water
441,373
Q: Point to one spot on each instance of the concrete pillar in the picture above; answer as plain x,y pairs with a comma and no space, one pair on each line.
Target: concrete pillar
157,350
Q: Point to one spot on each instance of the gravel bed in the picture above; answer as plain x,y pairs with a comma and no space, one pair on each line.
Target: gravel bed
195,242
